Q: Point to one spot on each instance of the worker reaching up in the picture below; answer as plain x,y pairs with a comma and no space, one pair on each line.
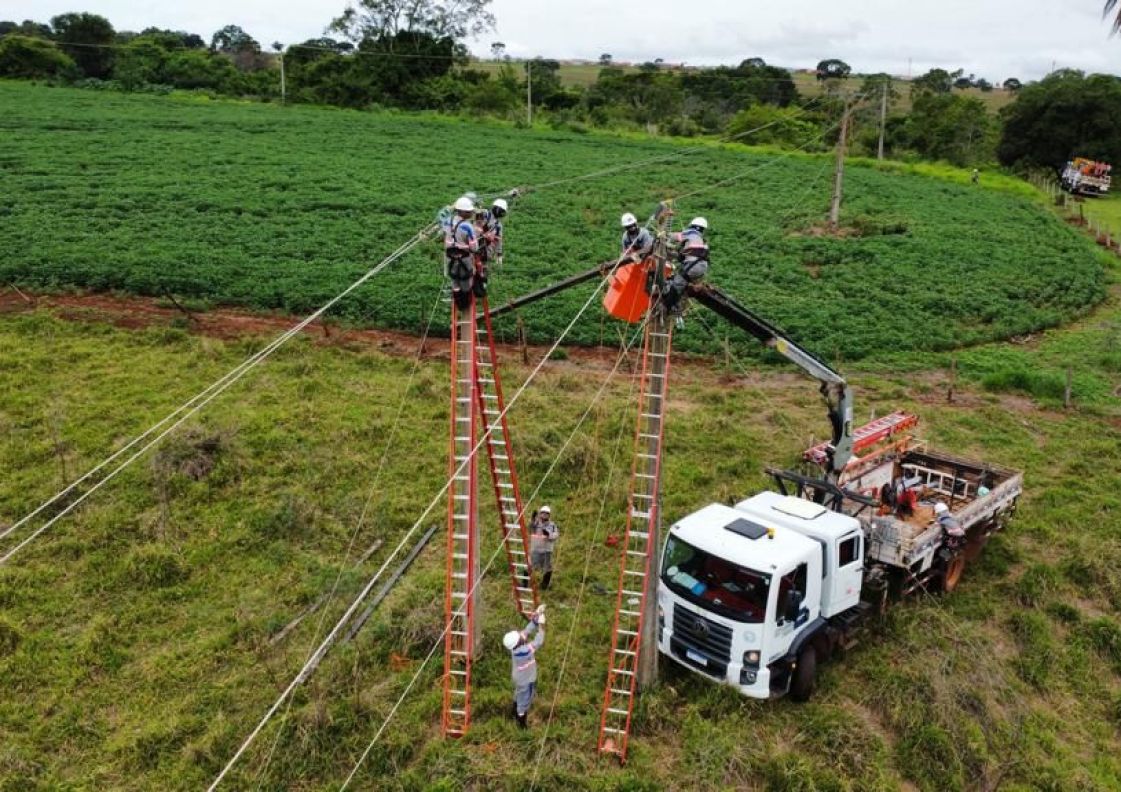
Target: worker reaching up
523,646
692,261
637,243
461,245
490,231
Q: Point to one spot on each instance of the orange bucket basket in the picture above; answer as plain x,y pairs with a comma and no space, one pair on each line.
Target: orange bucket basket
626,296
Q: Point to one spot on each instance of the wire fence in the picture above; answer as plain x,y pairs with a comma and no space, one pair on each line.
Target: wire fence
1081,211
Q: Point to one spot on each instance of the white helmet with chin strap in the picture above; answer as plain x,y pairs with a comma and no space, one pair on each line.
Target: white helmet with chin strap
464,204
499,203
510,640
699,222
628,220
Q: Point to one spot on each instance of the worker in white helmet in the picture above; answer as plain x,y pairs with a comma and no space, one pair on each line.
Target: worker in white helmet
543,533
461,246
692,262
637,243
522,646
490,232
948,522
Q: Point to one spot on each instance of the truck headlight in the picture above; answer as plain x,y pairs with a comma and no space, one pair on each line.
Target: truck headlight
751,657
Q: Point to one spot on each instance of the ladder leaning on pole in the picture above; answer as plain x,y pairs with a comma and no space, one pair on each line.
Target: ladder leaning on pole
638,548
504,476
462,540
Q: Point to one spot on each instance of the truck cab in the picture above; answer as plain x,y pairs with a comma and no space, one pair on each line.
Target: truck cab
742,592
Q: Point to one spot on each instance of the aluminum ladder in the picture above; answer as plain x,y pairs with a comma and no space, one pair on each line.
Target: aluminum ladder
462,539
503,471
638,548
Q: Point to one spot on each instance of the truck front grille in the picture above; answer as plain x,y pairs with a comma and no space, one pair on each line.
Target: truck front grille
702,635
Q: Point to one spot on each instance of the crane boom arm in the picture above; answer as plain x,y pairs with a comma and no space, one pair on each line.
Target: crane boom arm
837,393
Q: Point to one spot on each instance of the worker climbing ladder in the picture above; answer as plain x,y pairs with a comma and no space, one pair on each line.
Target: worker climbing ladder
639,544
463,535
504,476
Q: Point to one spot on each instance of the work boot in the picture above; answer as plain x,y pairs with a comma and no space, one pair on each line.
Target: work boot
514,709
522,724
545,580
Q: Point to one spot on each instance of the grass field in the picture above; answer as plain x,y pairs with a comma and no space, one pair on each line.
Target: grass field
279,208
135,637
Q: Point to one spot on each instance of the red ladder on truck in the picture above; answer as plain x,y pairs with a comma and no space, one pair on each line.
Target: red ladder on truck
638,548
867,435
504,476
462,542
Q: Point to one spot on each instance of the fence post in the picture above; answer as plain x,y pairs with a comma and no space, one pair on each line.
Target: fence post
953,380
1067,390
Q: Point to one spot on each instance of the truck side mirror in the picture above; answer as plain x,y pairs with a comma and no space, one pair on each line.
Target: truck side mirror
793,605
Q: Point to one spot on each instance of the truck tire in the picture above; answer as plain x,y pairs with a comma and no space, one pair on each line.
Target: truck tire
952,576
804,680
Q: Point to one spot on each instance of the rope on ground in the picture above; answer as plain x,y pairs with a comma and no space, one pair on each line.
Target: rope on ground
362,516
482,575
321,650
194,404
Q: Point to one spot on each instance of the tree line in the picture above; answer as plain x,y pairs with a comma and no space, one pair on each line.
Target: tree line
410,54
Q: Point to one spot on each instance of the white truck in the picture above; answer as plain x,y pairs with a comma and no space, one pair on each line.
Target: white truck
756,595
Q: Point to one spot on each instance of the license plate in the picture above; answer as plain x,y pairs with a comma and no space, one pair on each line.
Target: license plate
696,658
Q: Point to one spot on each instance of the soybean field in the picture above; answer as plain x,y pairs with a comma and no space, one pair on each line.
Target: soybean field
279,208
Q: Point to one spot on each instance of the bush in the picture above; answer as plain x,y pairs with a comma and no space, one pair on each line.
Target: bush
154,567
34,58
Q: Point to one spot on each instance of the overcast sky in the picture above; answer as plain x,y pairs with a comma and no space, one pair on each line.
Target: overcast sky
992,38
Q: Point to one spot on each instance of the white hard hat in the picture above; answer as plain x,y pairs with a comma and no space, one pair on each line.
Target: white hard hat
699,222
510,640
941,508
501,204
545,510
628,220
465,204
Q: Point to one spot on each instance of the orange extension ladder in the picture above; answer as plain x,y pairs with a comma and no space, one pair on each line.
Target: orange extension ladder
638,549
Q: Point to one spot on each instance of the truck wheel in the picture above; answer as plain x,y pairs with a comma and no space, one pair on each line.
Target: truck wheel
805,675
954,570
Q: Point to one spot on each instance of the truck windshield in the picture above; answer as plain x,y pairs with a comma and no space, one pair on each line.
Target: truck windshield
714,583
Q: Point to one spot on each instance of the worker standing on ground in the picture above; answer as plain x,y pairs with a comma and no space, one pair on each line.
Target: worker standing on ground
461,245
638,242
543,533
692,262
523,659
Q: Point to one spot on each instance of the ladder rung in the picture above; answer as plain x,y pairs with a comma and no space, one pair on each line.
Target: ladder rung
640,514
640,535
460,556
630,613
618,711
624,652
622,671
641,553
614,731
457,711
626,632
632,593
636,574
458,673
457,632
618,692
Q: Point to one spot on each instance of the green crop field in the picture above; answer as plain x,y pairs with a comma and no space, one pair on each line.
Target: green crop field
279,208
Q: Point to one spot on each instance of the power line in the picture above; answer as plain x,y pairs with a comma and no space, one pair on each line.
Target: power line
318,654
595,400
192,406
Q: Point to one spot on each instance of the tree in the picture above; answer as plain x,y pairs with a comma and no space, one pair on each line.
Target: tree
833,69
874,84
951,127
605,59
86,39
497,50
173,39
240,47
753,63
963,83
140,62
1115,25
1012,85
454,19
34,58
936,81
984,85
26,28
1064,115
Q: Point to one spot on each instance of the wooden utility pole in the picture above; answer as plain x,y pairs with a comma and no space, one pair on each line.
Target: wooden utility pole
283,85
529,92
839,174
883,119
